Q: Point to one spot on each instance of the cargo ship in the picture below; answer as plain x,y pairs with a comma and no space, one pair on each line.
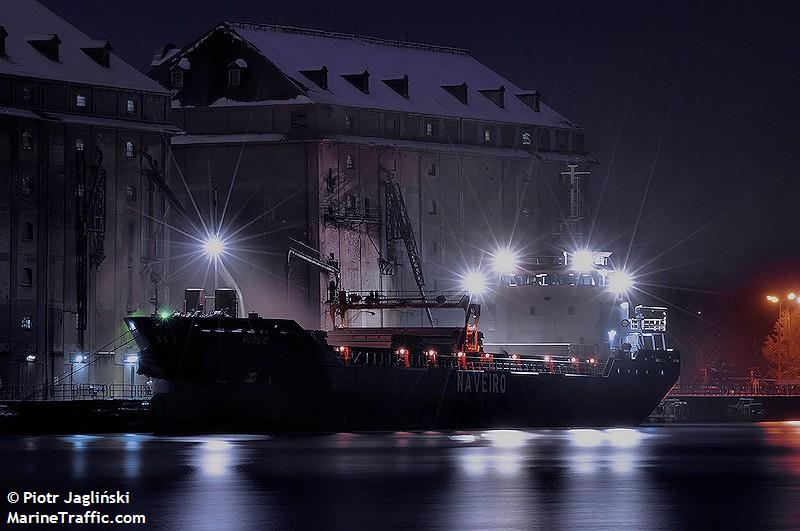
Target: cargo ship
219,371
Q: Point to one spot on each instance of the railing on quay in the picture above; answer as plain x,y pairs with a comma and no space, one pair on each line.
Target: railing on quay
70,392
736,390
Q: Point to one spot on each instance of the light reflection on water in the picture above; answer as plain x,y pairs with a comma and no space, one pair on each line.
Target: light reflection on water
741,476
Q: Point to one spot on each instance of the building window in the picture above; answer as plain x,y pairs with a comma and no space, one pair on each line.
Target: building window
80,101
571,310
27,231
330,181
432,170
80,145
27,95
25,187
27,276
391,124
130,193
432,207
532,310
130,107
130,150
176,78
27,141
562,140
26,322
299,120
526,138
348,162
348,122
430,129
234,78
487,135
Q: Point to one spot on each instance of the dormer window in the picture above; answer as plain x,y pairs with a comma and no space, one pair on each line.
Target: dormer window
176,79
399,85
80,101
459,92
359,81
3,35
235,73
318,77
47,46
100,52
496,96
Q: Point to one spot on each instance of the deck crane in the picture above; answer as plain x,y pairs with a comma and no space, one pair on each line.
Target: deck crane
398,227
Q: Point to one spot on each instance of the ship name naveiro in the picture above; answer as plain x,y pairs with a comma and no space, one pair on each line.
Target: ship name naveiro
481,382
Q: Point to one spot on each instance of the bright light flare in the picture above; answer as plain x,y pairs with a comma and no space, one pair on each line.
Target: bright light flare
133,358
773,299
619,282
792,296
475,282
505,262
214,246
583,261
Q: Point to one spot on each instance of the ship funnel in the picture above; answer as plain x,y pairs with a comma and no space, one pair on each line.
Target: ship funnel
225,300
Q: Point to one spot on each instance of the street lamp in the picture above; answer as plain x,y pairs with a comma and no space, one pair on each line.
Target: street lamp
792,296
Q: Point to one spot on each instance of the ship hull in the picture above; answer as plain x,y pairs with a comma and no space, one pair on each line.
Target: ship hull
248,392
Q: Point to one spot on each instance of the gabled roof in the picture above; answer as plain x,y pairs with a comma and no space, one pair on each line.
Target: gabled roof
27,20
429,69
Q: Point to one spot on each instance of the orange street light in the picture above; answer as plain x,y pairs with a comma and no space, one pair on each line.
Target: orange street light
773,299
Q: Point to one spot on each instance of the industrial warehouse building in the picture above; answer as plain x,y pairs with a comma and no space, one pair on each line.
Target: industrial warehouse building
79,247
294,139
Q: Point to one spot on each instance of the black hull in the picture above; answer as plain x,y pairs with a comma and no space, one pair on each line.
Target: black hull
255,388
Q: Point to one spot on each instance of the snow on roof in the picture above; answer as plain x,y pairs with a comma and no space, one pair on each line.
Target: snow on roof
26,20
428,67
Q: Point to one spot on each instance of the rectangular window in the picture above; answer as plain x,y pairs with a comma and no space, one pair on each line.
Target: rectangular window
532,310
348,123
26,322
130,107
80,101
25,187
391,124
432,169
130,150
430,129
562,140
27,229
348,163
80,145
526,138
176,79
487,135
234,77
27,95
433,208
299,120
130,193
27,276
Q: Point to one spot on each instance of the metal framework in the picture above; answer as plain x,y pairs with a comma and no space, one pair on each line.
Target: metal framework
398,227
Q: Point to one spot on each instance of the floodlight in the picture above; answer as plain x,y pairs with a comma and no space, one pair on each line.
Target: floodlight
619,282
214,246
583,261
475,282
505,262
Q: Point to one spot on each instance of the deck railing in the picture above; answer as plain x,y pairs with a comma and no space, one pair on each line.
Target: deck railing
60,392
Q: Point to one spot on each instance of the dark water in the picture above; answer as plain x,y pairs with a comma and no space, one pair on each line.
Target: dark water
730,477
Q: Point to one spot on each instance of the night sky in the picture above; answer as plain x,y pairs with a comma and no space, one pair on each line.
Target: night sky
692,110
